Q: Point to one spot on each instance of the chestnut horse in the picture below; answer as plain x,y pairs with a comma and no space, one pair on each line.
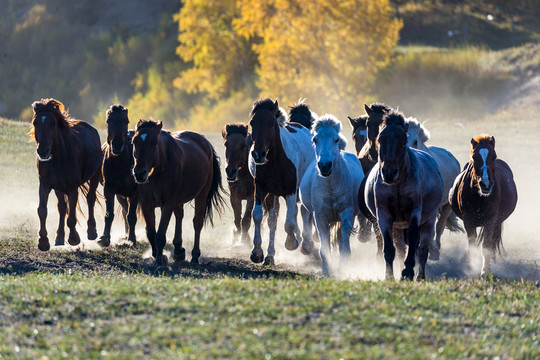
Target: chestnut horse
484,195
173,169
117,177
403,191
280,155
68,158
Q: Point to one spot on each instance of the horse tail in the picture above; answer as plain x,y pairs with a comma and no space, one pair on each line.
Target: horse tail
452,223
497,240
214,198
362,203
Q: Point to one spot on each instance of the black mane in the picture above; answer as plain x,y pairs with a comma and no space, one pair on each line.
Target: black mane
147,124
261,104
238,128
300,113
380,108
394,118
115,108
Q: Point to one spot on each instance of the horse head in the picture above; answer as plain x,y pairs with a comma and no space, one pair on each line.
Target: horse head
359,134
49,116
328,142
392,146
264,123
302,114
146,142
483,156
375,114
418,135
237,144
117,128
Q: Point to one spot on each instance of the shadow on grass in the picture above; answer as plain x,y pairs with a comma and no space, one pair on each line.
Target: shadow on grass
18,257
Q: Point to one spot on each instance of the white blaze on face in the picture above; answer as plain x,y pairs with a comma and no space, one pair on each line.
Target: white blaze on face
143,136
363,133
485,176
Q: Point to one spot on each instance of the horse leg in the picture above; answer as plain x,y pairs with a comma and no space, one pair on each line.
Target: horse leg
435,245
307,243
413,237
246,220
124,203
74,238
62,208
43,242
161,239
198,221
489,247
426,235
347,221
272,225
471,237
364,232
236,204
291,227
315,234
91,200
385,225
257,254
105,239
179,251
380,240
149,215
132,218
323,229
400,243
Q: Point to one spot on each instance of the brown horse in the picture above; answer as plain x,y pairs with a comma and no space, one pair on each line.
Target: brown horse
359,133
117,177
301,113
484,195
68,157
173,169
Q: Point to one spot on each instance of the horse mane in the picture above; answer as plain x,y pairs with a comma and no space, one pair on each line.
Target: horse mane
148,124
117,108
393,118
328,120
380,108
482,139
414,124
282,117
359,122
59,111
300,113
235,128
270,105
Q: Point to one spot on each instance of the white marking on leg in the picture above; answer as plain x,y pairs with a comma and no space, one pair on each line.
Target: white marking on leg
143,136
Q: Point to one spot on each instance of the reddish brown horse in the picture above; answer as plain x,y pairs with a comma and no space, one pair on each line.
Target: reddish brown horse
173,169
484,195
117,177
68,157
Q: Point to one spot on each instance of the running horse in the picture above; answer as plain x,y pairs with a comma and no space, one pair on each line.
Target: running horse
484,195
117,178
68,158
171,170
280,155
403,191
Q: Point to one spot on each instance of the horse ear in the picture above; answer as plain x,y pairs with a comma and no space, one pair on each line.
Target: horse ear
160,124
492,141
139,123
406,127
224,131
368,110
37,106
276,104
474,143
352,121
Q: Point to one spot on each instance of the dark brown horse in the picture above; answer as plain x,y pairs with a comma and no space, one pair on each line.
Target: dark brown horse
359,133
484,195
68,157
301,113
117,177
173,169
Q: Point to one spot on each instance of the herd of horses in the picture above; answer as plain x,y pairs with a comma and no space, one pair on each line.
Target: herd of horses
395,186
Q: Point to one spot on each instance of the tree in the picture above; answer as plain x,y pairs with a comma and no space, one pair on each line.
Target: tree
223,61
328,51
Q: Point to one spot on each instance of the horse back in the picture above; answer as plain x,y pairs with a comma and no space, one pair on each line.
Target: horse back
448,166
508,190
86,145
298,149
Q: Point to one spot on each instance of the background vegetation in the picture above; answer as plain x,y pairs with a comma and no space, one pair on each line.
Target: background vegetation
199,64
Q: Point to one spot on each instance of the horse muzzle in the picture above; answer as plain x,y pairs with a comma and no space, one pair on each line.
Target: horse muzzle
232,174
260,157
44,154
390,175
140,175
325,169
485,190
117,147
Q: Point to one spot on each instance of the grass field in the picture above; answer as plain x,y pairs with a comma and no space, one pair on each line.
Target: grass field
87,302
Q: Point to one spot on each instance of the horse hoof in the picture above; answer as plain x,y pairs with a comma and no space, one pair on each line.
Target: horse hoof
74,239
44,245
180,255
162,260
104,241
291,243
92,236
59,241
407,274
269,261
195,260
306,249
257,256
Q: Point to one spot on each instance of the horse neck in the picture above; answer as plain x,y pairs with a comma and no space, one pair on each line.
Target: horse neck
59,148
276,152
165,139
405,165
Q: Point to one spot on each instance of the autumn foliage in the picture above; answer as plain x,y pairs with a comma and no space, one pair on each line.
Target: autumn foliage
327,51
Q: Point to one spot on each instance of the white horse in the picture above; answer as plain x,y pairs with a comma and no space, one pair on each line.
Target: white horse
329,187
417,136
